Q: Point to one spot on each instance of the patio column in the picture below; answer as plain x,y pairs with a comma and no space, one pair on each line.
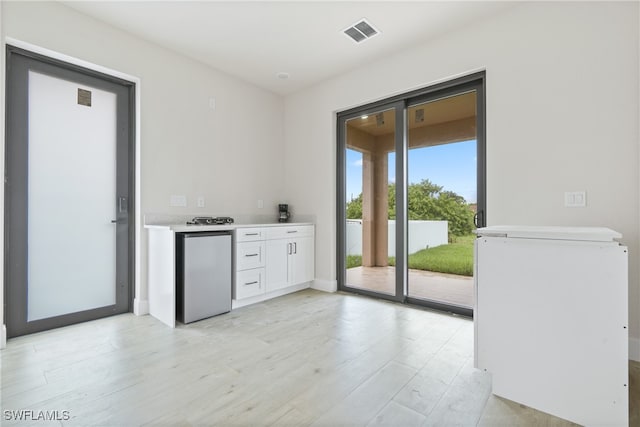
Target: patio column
381,206
375,195
368,211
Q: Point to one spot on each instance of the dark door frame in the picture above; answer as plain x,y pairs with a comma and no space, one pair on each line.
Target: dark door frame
14,203
472,82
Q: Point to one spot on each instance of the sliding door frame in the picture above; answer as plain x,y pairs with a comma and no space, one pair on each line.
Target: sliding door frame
472,82
399,108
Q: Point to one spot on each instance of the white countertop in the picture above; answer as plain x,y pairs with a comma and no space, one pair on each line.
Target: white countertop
593,234
184,228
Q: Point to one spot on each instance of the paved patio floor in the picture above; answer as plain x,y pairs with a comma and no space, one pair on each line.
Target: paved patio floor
440,287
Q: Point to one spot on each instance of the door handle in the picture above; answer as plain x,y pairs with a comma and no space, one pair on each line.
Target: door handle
289,248
118,221
295,247
478,219
122,204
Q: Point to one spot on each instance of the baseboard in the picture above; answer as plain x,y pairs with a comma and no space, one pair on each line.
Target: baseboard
263,297
325,285
3,337
634,349
140,307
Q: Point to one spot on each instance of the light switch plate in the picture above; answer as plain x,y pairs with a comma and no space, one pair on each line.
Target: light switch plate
575,199
178,200
200,201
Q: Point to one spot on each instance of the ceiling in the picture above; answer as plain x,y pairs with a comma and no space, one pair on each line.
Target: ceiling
449,109
256,40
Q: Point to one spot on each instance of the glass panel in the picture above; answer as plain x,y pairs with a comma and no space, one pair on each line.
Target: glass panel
370,177
441,198
71,196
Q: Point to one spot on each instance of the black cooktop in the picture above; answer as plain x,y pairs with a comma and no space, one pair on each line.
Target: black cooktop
209,220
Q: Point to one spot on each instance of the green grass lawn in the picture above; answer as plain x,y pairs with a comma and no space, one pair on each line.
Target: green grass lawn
454,258
354,261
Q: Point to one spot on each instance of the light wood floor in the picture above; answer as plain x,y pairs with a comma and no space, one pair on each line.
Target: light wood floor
309,358
441,287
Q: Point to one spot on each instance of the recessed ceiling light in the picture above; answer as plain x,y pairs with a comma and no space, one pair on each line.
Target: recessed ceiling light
282,75
361,31
364,117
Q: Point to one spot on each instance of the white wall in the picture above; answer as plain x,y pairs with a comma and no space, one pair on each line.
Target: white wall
422,235
562,114
231,155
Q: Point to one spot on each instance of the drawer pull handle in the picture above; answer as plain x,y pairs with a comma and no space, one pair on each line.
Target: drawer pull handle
292,231
251,283
251,255
251,234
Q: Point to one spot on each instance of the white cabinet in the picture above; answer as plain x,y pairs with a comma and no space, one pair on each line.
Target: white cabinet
551,320
290,256
283,252
250,283
250,255
250,261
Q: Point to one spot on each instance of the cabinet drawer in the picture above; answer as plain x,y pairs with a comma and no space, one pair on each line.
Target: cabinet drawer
249,255
289,232
249,283
249,234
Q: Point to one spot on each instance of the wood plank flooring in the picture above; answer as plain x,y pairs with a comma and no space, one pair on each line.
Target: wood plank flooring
309,358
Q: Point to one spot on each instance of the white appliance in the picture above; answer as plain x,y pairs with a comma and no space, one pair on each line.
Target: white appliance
551,320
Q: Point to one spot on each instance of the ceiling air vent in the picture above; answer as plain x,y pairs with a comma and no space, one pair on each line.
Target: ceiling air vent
361,31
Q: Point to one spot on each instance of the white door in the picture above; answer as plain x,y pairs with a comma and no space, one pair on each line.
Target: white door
71,193
301,265
68,191
277,263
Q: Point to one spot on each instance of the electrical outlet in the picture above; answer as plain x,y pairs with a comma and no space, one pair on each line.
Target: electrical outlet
260,204
200,201
575,199
178,200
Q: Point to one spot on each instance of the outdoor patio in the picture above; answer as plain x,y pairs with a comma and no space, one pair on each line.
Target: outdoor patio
440,287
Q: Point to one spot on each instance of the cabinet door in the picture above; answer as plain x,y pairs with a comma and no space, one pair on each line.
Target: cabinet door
277,265
301,261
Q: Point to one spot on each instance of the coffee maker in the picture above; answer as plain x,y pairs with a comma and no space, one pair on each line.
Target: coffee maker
284,213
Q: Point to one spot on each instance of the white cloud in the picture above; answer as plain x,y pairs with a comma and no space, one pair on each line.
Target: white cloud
357,163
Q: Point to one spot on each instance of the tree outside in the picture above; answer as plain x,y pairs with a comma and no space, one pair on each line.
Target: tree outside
427,201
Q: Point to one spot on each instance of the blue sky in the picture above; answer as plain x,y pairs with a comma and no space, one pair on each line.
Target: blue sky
452,166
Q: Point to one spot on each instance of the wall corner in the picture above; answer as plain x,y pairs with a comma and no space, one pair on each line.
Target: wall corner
324,285
140,307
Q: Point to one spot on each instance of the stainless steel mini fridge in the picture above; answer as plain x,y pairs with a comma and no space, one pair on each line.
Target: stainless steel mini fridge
203,275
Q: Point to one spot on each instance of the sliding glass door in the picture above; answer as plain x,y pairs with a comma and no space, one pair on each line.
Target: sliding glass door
410,194
370,212
442,188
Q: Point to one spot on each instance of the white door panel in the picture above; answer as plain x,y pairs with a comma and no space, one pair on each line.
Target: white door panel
72,198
